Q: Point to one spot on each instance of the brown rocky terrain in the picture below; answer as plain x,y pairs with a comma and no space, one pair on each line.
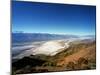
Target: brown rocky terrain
79,56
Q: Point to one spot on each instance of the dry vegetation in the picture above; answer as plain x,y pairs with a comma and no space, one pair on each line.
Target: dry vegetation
79,56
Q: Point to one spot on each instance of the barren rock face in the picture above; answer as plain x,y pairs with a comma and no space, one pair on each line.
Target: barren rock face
51,48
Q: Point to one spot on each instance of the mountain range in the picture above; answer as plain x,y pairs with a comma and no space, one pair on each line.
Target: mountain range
31,37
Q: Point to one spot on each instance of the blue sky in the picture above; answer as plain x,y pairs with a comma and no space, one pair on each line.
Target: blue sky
33,17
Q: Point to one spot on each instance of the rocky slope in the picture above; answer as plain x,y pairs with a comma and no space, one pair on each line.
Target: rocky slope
78,56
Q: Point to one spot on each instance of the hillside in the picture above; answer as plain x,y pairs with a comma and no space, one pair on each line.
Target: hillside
79,56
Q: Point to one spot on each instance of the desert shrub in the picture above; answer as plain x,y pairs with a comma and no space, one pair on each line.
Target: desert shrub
82,60
53,64
84,66
83,63
42,70
70,65
92,63
45,64
49,64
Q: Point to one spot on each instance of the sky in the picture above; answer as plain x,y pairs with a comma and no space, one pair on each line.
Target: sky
35,17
